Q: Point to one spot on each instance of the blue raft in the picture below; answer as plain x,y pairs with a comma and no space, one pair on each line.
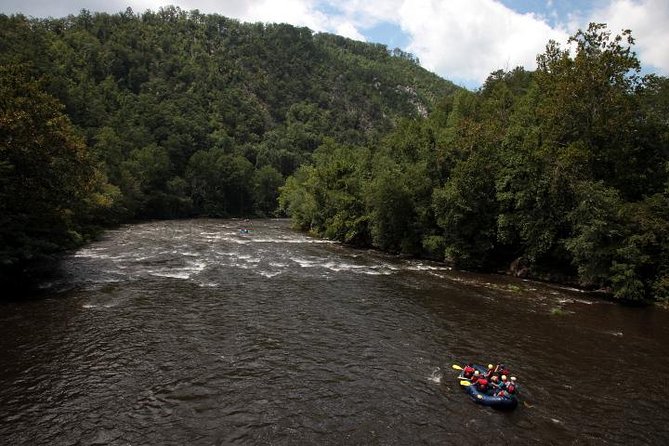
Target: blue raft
496,402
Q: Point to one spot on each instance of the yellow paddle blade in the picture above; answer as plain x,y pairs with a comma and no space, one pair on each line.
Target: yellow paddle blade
456,367
465,383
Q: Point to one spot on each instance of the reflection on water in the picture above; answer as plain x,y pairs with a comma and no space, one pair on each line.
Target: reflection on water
188,332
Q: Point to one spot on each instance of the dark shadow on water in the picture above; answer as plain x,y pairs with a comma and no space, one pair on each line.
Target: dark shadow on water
35,280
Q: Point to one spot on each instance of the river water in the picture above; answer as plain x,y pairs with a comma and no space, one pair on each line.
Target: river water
188,332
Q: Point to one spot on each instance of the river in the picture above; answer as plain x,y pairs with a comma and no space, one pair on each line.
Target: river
188,332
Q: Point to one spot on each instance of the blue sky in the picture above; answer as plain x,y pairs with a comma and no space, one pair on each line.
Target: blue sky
461,40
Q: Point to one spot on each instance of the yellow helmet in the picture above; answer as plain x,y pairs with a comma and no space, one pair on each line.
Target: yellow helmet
490,366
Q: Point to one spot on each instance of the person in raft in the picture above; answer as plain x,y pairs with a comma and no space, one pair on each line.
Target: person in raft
490,372
506,387
482,384
501,388
468,371
512,387
504,381
501,369
509,387
480,381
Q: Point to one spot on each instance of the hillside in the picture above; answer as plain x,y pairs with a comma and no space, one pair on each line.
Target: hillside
171,113
559,174
181,90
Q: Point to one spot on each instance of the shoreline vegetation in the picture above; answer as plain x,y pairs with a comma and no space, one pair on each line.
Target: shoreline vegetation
559,173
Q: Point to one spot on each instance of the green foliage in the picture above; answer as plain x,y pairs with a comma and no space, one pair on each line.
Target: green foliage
328,200
590,100
219,183
406,168
172,114
560,173
51,193
391,212
599,228
266,183
466,209
150,91
297,198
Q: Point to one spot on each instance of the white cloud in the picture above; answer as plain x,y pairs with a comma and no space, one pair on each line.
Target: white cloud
465,40
648,21
367,13
295,12
307,13
348,29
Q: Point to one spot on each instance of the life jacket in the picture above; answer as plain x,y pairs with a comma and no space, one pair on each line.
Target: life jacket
503,371
482,384
467,372
511,388
502,394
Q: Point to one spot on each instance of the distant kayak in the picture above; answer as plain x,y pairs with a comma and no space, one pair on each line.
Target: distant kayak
244,231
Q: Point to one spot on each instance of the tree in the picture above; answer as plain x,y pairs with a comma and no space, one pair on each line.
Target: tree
50,185
589,102
219,183
266,183
466,209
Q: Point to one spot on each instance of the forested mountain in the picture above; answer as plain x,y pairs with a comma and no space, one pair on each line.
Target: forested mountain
169,114
560,173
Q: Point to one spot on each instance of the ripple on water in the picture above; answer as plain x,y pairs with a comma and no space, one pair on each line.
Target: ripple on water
278,338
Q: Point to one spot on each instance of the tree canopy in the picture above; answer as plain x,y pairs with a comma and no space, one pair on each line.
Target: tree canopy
168,113
561,174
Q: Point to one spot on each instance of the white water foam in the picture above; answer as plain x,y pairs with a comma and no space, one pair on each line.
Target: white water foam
171,274
305,263
294,240
423,267
93,306
179,273
435,376
92,253
374,273
333,266
269,274
207,284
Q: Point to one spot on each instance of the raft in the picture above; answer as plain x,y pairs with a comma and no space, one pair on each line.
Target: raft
496,402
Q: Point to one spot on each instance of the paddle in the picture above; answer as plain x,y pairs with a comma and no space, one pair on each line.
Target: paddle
465,383
456,367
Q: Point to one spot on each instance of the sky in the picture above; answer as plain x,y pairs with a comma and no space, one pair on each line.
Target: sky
460,40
